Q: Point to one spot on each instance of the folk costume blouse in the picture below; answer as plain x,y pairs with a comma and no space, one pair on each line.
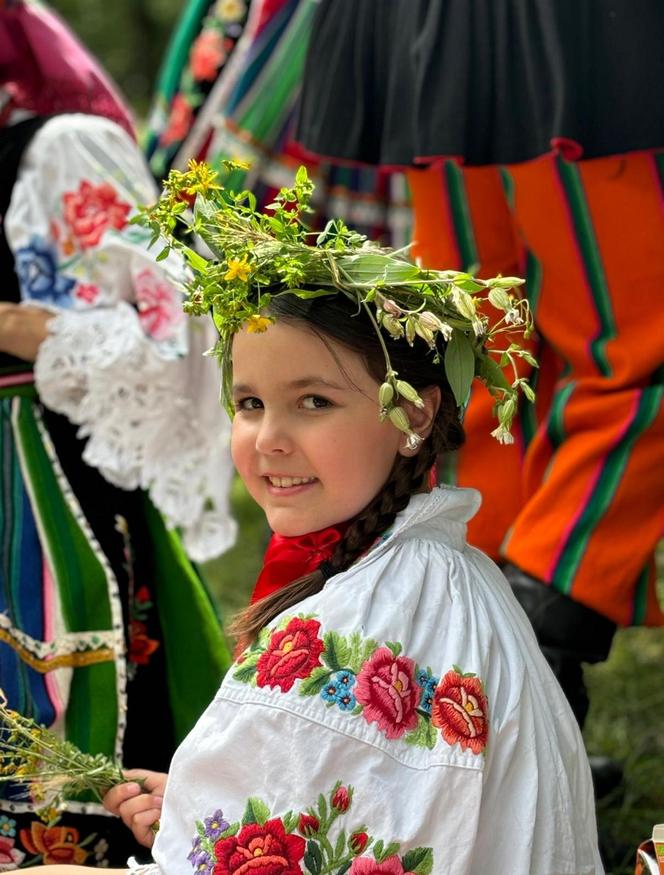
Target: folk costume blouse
121,361
402,720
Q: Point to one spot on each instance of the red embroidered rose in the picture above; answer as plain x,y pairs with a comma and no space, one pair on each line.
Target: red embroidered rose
291,654
87,292
368,866
207,53
56,844
141,647
178,121
92,210
308,824
358,842
262,849
159,308
460,711
341,799
387,689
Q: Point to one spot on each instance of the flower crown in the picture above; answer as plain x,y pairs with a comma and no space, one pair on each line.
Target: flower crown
258,256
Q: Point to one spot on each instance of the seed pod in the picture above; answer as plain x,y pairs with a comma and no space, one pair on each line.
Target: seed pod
385,394
500,299
409,393
425,333
399,418
393,327
410,330
430,321
391,307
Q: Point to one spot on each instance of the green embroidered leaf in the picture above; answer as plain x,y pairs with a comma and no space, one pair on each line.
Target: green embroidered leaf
340,845
391,850
459,365
360,651
419,861
312,685
357,710
200,828
337,652
246,672
232,829
395,647
255,812
313,859
289,821
464,674
378,850
424,736
322,808
343,869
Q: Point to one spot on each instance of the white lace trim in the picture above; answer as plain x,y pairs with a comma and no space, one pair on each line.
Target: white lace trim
143,868
148,420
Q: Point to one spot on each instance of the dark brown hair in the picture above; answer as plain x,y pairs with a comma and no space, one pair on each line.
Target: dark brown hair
330,318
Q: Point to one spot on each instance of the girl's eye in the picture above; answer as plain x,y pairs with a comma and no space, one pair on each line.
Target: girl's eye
315,402
249,404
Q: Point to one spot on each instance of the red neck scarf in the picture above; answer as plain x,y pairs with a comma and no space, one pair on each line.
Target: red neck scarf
286,559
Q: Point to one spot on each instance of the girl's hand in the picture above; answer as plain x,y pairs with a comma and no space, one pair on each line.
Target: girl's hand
138,807
22,330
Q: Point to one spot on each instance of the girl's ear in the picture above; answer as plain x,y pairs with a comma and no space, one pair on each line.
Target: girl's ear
421,418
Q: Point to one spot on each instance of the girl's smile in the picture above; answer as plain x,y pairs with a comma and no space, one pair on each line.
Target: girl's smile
307,439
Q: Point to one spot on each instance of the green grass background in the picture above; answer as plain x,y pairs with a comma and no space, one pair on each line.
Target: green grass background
626,719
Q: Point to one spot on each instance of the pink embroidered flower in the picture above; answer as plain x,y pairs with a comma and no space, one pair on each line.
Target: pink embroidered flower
92,210
308,825
158,308
178,122
87,292
368,866
341,799
460,711
10,854
265,849
292,653
207,54
387,689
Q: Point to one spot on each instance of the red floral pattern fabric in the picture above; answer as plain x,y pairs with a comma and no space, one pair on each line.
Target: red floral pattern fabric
291,654
460,711
386,687
265,849
92,210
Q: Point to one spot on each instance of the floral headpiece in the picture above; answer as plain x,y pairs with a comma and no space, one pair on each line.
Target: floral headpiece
257,257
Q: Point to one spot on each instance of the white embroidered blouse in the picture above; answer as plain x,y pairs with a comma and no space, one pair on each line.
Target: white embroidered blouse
121,360
402,720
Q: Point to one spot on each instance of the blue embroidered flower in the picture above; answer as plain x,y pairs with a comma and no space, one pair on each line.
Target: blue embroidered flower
37,271
7,827
338,690
428,682
215,825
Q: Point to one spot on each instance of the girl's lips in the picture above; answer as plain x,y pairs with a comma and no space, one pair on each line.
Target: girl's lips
288,490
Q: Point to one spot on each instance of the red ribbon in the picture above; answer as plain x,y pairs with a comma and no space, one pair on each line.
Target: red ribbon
286,559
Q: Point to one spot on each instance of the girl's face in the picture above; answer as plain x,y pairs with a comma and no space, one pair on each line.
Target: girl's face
306,437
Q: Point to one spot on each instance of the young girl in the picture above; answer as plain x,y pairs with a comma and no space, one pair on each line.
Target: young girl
392,712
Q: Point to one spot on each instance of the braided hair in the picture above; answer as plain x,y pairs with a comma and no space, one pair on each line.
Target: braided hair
328,317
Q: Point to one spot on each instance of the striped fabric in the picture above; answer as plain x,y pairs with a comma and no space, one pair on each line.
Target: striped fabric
577,500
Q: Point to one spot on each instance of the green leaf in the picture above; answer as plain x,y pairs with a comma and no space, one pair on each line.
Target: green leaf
307,294
360,651
394,646
468,285
246,672
343,869
163,254
289,821
424,735
312,685
459,366
419,860
313,858
372,268
255,812
195,260
391,850
232,829
337,651
491,373
340,845
378,850
322,808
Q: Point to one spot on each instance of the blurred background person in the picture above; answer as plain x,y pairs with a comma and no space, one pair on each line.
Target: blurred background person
112,437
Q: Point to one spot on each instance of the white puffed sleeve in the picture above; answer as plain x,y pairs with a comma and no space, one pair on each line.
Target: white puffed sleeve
121,360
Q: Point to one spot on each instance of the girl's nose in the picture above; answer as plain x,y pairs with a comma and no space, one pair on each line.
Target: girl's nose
273,436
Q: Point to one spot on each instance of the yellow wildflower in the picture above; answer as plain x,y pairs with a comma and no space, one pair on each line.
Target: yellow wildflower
238,268
258,324
203,178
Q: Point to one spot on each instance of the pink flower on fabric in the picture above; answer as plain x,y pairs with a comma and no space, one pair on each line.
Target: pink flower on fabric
10,854
87,292
179,121
460,711
368,866
158,306
92,210
387,689
207,54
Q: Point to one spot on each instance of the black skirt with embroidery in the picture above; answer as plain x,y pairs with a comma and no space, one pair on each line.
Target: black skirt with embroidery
397,82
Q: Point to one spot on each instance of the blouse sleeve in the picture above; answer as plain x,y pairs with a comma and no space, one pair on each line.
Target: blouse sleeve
121,361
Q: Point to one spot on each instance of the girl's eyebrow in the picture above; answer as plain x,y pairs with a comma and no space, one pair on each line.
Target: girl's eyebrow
302,383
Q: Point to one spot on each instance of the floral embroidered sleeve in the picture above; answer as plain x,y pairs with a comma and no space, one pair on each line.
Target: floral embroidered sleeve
120,360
